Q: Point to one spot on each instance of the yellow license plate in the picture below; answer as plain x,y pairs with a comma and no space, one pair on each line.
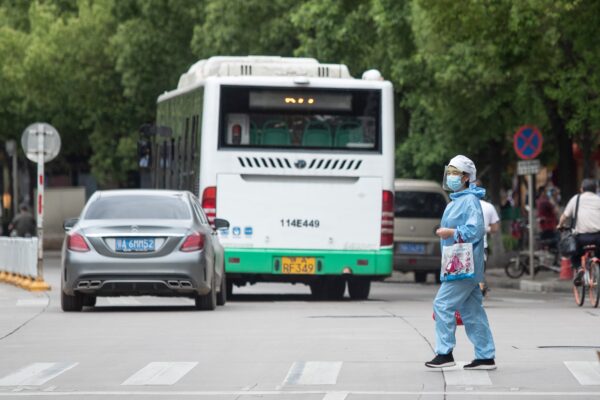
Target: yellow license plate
298,265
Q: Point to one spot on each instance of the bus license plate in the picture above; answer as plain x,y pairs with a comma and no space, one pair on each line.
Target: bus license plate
298,265
134,245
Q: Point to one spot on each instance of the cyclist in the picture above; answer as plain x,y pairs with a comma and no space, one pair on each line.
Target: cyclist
587,223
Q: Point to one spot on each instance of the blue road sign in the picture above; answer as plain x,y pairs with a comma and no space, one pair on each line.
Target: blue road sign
527,142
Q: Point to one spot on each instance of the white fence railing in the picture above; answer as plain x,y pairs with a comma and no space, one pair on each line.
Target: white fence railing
18,260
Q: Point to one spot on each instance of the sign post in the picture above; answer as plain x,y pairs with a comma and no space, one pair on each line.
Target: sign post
527,143
41,143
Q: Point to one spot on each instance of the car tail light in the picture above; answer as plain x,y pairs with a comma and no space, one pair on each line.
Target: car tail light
193,242
76,242
387,218
209,203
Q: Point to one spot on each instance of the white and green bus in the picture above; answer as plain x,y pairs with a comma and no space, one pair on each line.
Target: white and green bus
298,156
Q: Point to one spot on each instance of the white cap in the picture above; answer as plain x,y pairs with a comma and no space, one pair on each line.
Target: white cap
372,75
465,164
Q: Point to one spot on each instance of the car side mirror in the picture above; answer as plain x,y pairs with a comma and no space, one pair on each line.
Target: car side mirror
221,223
69,223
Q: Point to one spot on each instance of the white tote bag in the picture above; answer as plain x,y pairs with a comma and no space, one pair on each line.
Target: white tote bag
457,262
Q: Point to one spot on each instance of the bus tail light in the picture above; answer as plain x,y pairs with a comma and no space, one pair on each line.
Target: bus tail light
387,218
209,203
193,242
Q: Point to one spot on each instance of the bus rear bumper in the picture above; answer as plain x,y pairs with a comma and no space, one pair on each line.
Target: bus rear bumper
266,264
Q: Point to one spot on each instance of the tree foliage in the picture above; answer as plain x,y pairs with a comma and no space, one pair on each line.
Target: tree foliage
466,74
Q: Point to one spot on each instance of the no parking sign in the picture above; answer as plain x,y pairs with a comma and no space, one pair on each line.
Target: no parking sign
527,142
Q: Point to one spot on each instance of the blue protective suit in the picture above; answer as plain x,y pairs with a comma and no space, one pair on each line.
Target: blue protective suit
464,215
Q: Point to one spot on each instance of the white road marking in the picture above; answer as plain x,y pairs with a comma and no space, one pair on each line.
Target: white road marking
313,373
336,396
40,301
122,301
212,394
460,377
36,374
160,373
586,372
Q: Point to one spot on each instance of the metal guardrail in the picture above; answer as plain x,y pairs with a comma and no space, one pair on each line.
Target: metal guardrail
18,261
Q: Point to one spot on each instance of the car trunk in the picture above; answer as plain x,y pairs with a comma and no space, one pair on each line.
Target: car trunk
144,238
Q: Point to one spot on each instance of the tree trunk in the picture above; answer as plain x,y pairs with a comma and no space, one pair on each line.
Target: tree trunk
587,145
496,160
567,172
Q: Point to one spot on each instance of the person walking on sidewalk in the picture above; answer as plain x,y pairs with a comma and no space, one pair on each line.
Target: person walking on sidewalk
462,222
587,223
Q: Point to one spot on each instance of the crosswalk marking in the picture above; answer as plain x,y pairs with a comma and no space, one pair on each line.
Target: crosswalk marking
460,377
160,373
586,372
313,373
41,301
36,374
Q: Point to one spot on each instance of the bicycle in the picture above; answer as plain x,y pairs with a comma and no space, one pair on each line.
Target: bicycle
590,265
545,259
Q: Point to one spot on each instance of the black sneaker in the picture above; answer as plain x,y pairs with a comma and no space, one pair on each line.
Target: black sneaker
481,364
441,361
578,277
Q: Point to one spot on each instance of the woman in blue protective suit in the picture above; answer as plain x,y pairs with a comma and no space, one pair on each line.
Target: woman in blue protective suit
462,222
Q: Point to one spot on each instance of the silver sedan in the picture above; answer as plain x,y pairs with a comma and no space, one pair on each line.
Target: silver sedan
142,242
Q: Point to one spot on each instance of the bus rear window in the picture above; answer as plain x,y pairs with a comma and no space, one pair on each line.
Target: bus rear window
300,119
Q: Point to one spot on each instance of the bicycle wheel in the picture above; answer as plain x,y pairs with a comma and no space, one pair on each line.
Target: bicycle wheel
516,267
579,292
594,278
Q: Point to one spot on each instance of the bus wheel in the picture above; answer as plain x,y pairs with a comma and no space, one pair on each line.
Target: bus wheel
318,290
336,288
359,288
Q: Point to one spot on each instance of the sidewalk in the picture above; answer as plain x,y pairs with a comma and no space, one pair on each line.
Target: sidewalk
496,277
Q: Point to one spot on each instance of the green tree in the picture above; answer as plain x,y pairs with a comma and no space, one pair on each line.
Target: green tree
245,27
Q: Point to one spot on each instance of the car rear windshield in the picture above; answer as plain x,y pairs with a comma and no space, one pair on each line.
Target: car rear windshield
419,205
138,207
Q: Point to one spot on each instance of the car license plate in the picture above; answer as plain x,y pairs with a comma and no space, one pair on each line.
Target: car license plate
410,248
298,265
134,245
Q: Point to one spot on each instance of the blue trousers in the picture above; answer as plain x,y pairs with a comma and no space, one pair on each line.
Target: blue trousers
464,296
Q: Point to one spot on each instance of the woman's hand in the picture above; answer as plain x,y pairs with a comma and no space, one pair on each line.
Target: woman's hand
445,233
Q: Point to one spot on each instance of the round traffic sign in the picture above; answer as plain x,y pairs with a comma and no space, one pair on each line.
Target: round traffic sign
30,141
527,142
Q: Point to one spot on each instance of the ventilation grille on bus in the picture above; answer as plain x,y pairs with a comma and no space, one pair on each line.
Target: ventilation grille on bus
323,72
245,69
314,164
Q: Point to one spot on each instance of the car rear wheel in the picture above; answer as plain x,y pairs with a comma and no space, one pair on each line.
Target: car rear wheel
208,301
420,276
89,301
71,303
222,295
359,288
